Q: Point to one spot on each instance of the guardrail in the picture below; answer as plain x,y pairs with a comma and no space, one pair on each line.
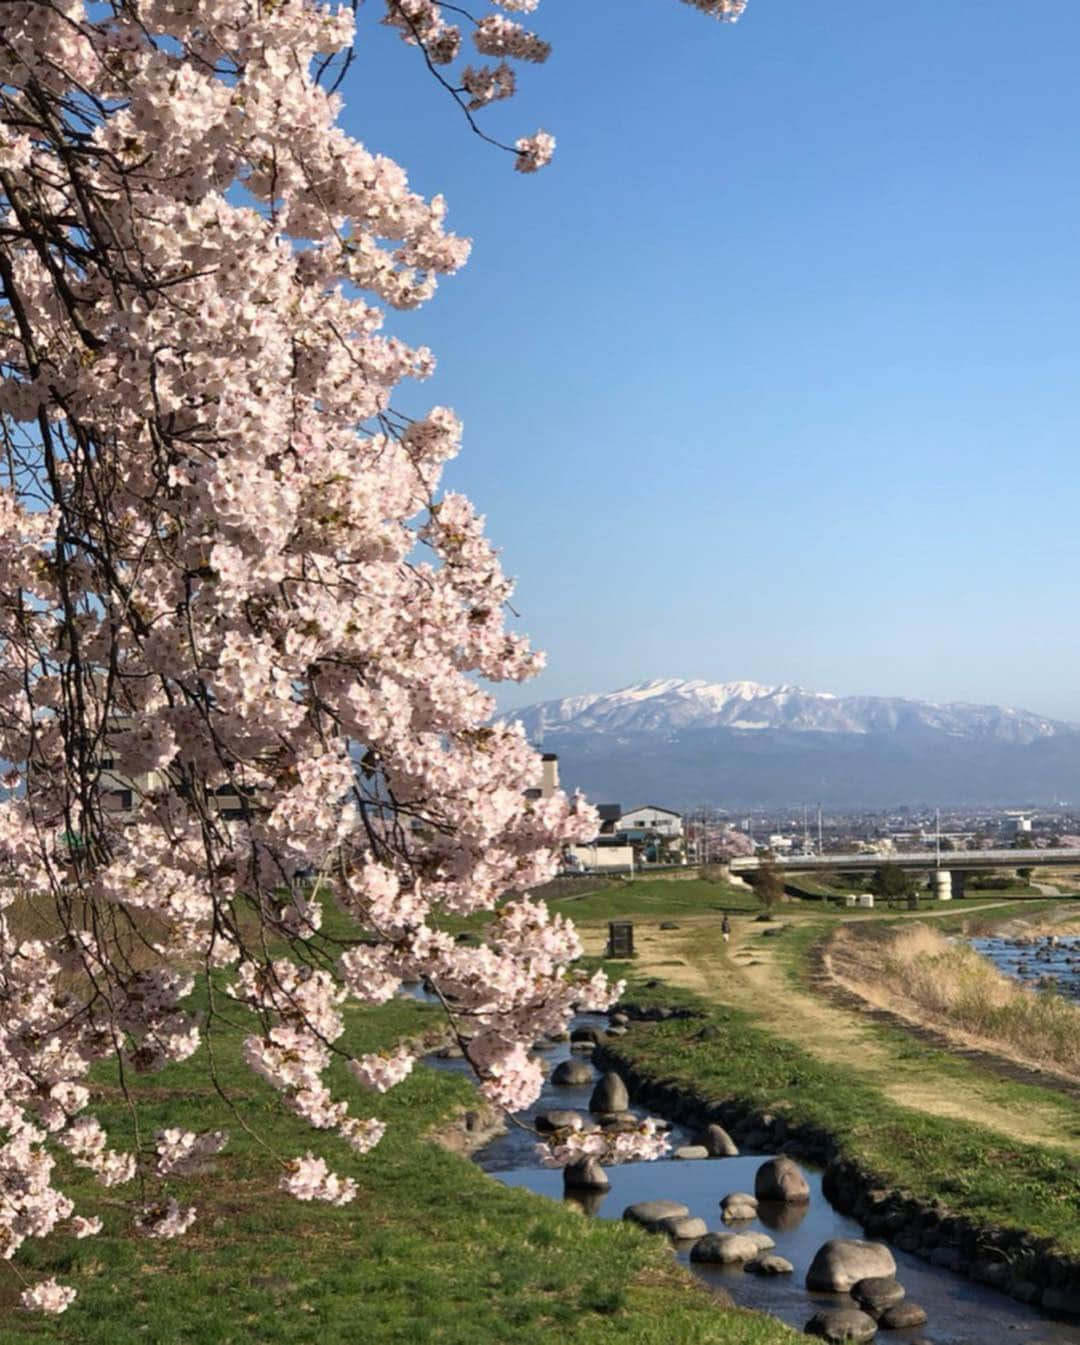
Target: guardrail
963,860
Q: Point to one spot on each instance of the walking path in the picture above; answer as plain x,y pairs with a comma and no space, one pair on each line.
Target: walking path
751,974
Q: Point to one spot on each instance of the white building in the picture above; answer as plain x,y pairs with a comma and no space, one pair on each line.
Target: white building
649,817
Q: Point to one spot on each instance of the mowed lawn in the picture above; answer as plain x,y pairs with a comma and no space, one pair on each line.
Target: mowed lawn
432,1250
645,898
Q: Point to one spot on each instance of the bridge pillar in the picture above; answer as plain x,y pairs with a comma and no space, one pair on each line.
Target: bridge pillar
959,882
941,884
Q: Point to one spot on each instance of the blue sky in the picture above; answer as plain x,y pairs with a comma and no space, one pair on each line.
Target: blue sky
773,373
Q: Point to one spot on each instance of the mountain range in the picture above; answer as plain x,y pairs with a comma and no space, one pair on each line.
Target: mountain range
740,744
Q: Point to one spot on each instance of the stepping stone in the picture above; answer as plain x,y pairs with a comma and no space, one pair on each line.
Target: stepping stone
691,1151
719,1143
843,1326
781,1179
585,1175
609,1095
547,1121
572,1073
876,1293
651,1213
902,1315
769,1265
683,1228
738,1207
725,1249
842,1262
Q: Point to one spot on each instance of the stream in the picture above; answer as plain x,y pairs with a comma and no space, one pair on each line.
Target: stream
960,1311
1035,963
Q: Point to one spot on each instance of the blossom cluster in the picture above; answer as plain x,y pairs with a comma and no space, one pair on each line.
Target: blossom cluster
245,636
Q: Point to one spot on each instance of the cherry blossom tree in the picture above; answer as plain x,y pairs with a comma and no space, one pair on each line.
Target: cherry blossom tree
728,843
243,632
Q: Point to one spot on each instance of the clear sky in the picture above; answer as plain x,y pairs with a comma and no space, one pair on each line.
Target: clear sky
773,374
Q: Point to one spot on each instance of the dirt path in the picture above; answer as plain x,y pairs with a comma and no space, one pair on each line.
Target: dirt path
750,974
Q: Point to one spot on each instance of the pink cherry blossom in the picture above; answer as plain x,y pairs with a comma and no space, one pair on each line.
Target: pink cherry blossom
246,637
47,1296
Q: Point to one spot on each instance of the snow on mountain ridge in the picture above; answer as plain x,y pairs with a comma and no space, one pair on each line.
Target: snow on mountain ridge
670,706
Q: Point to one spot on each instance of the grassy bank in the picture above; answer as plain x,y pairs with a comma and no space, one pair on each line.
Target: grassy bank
973,1170
432,1250
921,973
657,898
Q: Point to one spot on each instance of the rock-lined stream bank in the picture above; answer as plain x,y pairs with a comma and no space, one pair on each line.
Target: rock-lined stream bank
959,1310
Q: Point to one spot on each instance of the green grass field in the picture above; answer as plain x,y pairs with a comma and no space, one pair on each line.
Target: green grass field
659,898
432,1250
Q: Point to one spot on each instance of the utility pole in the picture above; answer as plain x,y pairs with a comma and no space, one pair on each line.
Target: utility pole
820,843
805,832
937,836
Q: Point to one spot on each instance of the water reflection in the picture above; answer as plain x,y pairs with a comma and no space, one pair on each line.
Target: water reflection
781,1218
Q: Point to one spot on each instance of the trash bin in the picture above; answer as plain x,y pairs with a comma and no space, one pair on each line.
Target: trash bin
620,938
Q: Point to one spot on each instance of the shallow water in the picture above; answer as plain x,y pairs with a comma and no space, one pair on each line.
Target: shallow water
960,1311
1031,964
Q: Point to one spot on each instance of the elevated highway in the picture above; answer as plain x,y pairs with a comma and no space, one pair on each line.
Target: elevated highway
968,860
948,870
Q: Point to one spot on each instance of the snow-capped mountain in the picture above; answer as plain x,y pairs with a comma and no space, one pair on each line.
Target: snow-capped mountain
671,705
687,742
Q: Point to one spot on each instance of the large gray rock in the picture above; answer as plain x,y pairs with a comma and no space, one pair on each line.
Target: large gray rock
769,1265
609,1095
876,1293
844,1326
585,1175
719,1143
651,1213
683,1227
901,1316
724,1249
842,1262
760,1240
781,1179
572,1074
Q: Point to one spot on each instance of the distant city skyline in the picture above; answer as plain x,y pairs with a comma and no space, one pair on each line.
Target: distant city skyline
794,399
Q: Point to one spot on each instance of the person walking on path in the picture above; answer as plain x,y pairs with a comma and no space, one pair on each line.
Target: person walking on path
725,928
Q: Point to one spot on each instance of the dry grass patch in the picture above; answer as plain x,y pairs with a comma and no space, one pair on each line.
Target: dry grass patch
922,974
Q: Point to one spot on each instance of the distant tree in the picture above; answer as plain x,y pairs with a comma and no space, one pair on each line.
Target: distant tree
730,844
891,884
769,882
